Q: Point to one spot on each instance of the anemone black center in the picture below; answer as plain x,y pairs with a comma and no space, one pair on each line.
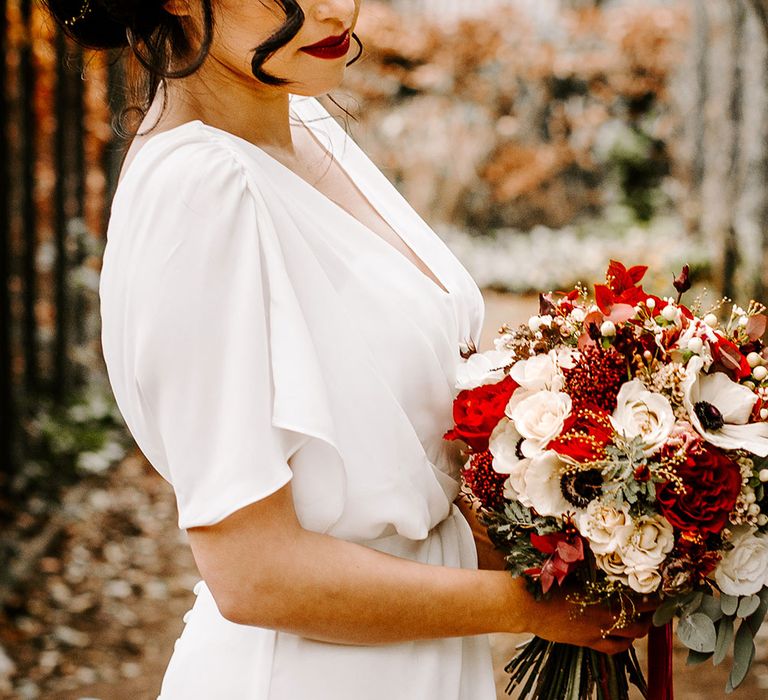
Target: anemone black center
709,415
519,449
580,488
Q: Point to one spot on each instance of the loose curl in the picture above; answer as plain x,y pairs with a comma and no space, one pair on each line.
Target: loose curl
158,39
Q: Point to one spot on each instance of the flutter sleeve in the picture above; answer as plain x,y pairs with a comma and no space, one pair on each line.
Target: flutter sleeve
203,353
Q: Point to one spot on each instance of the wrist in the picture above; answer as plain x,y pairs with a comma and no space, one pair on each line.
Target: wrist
516,614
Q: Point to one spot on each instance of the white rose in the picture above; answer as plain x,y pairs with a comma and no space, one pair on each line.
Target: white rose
744,570
537,372
539,418
605,527
643,413
542,485
482,368
643,580
649,543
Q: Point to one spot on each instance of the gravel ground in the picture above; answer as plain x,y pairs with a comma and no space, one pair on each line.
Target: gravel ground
100,617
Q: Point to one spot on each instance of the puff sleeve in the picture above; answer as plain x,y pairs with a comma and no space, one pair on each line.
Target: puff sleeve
203,366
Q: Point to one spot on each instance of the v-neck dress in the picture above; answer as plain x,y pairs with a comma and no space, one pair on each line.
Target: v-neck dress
256,333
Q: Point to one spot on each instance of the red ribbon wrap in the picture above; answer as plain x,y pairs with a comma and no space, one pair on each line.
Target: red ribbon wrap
660,680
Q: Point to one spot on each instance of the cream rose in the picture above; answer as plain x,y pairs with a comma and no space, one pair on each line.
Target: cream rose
605,527
539,418
613,566
744,570
649,543
645,414
643,580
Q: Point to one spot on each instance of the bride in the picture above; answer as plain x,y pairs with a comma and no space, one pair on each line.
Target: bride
281,332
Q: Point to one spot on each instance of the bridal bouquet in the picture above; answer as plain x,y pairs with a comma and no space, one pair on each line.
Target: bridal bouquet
619,445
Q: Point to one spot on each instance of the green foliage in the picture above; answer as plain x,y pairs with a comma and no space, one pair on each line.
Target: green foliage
708,627
83,434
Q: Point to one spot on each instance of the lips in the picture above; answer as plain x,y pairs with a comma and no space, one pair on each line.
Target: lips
331,47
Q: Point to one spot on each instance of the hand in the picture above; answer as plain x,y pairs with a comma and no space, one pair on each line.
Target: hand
559,620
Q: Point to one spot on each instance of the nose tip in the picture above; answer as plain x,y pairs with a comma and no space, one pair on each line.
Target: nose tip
341,10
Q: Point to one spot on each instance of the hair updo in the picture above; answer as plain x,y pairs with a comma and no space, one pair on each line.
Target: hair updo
159,39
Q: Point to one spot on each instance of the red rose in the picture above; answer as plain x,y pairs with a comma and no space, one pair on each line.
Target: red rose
476,412
712,484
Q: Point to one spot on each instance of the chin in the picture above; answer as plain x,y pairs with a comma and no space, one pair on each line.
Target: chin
316,87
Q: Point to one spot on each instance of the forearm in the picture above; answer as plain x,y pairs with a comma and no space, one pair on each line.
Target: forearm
331,590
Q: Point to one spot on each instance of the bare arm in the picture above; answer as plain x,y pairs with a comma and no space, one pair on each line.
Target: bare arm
264,569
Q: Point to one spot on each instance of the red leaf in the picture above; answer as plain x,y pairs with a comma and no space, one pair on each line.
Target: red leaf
546,544
604,297
756,326
571,552
637,273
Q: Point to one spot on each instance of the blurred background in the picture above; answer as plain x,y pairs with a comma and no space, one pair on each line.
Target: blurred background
538,137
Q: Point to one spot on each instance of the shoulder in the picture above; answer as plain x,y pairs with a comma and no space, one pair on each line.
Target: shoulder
188,165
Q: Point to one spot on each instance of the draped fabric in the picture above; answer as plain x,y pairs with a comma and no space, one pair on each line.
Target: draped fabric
256,333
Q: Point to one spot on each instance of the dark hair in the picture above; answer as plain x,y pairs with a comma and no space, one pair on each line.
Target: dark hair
157,38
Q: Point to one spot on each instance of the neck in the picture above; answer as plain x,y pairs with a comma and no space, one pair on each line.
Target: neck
259,114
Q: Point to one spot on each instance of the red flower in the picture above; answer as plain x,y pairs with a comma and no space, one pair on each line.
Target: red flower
712,483
585,434
565,553
622,287
476,412
728,356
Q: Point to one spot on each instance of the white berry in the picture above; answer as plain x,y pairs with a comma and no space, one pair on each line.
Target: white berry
763,475
534,323
696,345
754,359
670,312
608,329
710,320
760,373
650,303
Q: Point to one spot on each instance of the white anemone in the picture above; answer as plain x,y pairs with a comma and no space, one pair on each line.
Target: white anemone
728,426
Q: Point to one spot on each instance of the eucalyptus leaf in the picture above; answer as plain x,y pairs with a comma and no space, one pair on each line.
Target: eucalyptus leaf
695,658
710,606
697,632
729,603
748,605
724,639
755,620
743,654
665,612
693,603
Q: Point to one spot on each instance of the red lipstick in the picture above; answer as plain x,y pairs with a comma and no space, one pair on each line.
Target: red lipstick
331,47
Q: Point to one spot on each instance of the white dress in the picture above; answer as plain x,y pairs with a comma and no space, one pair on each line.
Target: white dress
255,333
